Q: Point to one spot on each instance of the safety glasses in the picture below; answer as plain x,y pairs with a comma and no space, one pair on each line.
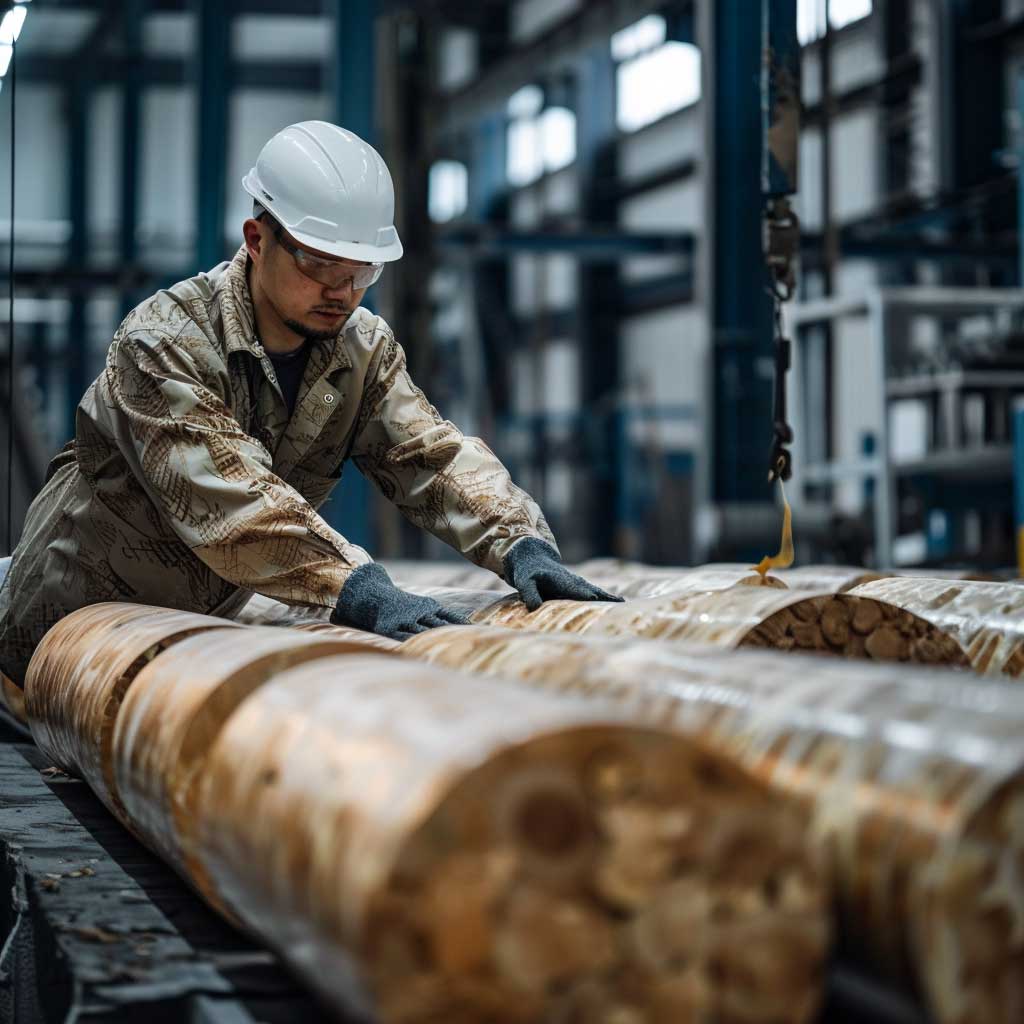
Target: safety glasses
333,273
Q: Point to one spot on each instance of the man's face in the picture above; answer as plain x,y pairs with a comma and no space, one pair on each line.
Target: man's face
310,308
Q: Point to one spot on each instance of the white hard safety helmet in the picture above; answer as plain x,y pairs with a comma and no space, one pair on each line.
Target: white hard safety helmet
330,190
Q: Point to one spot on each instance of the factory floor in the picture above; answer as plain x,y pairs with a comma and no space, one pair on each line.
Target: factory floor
94,926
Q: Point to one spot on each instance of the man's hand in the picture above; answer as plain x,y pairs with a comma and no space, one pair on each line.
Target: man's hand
371,601
536,571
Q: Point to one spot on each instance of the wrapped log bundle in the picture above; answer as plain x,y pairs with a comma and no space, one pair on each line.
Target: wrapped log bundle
914,778
844,624
985,619
265,611
425,845
688,581
80,672
172,714
637,578
411,575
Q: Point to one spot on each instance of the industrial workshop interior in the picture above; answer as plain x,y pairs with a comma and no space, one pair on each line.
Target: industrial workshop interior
512,511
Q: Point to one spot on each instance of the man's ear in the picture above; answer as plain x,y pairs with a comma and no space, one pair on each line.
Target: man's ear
252,230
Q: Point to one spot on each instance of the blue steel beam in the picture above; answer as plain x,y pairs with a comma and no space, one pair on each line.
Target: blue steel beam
741,312
210,71
79,96
599,306
285,75
973,87
352,71
131,104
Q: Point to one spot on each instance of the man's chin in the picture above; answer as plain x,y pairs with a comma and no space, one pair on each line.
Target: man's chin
324,329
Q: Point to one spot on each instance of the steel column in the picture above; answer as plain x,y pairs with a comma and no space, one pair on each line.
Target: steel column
740,309
76,367
352,71
597,329
131,104
975,92
210,72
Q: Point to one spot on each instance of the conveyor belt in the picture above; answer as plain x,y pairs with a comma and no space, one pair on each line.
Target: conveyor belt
94,926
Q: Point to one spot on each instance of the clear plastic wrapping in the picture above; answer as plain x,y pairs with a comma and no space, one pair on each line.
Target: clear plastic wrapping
914,778
79,675
428,845
986,619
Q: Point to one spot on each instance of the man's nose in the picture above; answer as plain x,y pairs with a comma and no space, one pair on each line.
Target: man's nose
340,292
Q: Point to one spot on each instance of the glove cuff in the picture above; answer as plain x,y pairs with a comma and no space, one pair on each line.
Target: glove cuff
361,596
526,550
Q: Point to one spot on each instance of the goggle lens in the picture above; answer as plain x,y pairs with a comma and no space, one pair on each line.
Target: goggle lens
333,273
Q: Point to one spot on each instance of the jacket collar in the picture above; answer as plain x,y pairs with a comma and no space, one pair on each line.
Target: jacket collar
239,318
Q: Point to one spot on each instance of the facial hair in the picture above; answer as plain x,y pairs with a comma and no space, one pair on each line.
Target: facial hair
312,333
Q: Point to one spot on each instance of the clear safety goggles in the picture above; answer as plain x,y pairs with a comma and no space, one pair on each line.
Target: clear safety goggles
331,272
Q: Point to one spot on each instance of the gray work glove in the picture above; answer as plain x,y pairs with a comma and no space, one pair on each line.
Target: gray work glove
536,571
371,601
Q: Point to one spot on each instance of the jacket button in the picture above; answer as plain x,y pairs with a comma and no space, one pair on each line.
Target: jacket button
272,378
329,399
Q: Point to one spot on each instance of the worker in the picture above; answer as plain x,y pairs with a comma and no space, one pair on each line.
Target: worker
227,407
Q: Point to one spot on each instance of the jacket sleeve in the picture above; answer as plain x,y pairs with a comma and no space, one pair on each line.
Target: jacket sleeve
452,485
211,480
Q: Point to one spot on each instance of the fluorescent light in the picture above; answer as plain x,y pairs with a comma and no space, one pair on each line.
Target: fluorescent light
10,27
6,52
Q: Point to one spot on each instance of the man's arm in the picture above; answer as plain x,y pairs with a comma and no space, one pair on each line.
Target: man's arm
452,485
213,482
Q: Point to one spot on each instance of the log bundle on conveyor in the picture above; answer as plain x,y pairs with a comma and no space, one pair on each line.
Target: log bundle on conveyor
80,673
437,846
986,619
915,779
844,624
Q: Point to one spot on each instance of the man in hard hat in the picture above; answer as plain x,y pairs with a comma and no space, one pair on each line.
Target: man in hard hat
227,408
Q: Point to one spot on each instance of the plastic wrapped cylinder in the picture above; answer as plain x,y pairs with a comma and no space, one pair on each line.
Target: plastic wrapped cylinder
986,619
785,620
914,778
265,611
411,575
690,581
80,672
425,845
173,713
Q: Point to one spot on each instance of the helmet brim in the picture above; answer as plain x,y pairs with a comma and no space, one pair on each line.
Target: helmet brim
345,250
349,250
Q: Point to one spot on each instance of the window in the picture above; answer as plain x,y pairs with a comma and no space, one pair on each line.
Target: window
654,76
539,140
447,190
810,16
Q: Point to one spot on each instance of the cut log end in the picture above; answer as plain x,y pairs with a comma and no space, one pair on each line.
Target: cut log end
575,880
856,627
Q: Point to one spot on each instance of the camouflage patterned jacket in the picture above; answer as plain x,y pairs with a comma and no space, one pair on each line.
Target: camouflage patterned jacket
187,485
